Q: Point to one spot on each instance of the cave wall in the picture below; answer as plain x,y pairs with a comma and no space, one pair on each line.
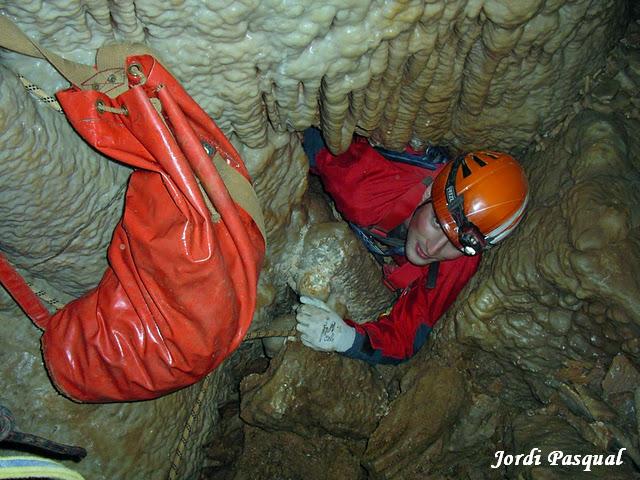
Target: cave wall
463,73
540,350
549,327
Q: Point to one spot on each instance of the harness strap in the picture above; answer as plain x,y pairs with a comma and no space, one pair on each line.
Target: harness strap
432,157
394,246
432,275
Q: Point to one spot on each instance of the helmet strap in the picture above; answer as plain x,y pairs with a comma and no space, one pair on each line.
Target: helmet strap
469,235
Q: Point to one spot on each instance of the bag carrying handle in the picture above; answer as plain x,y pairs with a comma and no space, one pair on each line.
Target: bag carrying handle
12,38
109,60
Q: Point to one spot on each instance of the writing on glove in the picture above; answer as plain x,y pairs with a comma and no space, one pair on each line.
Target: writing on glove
321,328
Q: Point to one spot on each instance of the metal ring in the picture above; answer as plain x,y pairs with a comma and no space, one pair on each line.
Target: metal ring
135,70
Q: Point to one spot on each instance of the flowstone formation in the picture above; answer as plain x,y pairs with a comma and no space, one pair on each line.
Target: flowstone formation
470,73
540,352
553,312
549,328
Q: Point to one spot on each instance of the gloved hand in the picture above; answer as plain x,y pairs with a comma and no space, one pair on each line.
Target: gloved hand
321,328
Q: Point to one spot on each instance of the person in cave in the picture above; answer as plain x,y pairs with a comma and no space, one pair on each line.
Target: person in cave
432,215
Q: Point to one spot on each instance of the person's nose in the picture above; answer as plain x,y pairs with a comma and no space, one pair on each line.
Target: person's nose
438,244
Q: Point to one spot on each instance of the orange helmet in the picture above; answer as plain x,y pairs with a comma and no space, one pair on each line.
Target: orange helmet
479,198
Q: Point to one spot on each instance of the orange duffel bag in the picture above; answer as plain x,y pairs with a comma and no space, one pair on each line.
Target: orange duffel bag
180,290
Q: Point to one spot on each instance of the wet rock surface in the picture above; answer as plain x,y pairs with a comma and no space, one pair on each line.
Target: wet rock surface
312,393
286,456
335,266
557,312
416,419
551,434
397,70
622,376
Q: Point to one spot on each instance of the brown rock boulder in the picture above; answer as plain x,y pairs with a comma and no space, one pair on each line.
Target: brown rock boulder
312,393
417,419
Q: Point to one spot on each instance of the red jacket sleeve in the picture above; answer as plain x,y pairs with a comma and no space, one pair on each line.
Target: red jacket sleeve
399,335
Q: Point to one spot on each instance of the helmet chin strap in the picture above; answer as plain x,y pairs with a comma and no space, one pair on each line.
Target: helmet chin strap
470,237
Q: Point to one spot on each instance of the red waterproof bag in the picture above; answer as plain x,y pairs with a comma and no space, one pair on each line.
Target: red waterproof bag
180,290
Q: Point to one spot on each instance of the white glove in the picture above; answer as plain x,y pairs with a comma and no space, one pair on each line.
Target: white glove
321,328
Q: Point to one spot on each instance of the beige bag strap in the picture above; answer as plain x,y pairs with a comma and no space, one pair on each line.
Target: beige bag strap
241,192
12,38
109,76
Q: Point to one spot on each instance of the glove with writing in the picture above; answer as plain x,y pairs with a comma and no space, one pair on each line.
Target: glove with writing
321,328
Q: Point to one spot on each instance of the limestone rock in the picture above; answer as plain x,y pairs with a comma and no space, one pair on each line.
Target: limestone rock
559,296
417,418
469,74
478,424
549,433
583,402
227,444
475,438
60,199
287,456
396,69
311,393
622,376
336,267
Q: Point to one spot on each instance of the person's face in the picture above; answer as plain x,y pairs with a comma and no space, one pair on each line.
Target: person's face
426,241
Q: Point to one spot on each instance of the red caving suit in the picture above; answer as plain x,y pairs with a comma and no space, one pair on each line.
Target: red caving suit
374,192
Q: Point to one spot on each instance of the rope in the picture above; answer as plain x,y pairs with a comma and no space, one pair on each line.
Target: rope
178,455
257,334
51,101
40,94
43,295
101,107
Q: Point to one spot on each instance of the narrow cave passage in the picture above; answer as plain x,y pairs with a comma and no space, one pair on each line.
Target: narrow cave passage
539,353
